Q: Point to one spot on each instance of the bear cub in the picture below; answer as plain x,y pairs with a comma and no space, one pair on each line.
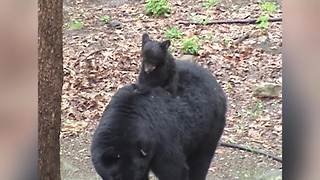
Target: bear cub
158,66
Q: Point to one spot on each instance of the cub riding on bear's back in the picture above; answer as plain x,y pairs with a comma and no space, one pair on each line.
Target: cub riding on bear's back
158,66
175,138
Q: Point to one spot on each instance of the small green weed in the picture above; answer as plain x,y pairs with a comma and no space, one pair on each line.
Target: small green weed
263,22
191,46
269,7
157,7
210,3
105,19
174,33
256,110
75,24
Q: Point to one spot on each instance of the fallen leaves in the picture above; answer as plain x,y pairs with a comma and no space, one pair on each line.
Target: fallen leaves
99,59
73,127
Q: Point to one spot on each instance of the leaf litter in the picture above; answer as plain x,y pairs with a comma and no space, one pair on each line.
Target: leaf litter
99,59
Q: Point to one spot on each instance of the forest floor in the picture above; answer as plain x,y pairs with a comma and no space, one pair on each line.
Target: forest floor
100,57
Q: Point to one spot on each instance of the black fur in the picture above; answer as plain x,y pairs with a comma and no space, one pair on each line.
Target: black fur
163,72
174,137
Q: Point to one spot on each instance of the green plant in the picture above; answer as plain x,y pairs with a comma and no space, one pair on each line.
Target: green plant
157,7
268,7
263,22
75,24
210,3
256,110
174,33
191,46
105,19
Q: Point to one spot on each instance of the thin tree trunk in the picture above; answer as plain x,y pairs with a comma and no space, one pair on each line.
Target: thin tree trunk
49,87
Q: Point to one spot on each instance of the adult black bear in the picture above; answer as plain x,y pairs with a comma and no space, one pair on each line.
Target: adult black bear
175,138
158,66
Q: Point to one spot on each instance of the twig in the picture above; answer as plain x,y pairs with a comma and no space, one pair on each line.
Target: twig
232,21
242,38
256,151
94,52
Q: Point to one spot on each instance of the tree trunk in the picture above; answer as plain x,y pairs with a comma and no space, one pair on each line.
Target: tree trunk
49,87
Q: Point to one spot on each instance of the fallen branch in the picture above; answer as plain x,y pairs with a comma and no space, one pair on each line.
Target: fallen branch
232,21
256,151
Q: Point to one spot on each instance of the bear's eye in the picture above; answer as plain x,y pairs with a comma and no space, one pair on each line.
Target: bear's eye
143,153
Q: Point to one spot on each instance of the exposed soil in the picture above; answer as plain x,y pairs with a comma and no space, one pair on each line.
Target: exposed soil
99,58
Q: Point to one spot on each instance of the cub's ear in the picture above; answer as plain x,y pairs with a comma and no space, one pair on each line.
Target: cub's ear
145,38
165,44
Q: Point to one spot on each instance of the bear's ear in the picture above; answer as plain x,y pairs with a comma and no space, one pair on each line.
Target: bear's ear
165,44
145,38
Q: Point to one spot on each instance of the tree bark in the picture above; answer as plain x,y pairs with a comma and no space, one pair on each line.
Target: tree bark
50,79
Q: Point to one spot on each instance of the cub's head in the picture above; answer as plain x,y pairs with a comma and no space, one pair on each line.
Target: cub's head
153,53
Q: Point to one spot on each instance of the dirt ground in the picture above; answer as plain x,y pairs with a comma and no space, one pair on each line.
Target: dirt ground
99,58
227,163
